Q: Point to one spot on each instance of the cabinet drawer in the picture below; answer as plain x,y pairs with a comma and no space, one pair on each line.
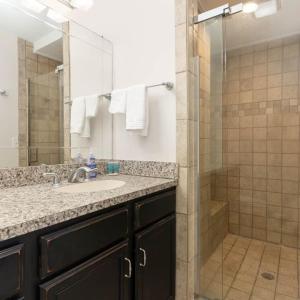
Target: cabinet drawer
73,244
11,272
102,277
154,208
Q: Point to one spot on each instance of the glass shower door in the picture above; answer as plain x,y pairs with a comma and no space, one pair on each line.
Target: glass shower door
45,119
211,199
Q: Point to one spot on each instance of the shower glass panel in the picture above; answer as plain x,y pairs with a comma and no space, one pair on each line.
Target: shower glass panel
249,154
45,119
211,199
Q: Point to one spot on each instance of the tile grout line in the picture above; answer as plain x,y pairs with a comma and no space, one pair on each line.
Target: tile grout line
298,294
223,260
277,277
235,276
222,266
258,270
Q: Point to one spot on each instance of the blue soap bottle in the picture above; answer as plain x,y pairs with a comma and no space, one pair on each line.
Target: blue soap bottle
92,165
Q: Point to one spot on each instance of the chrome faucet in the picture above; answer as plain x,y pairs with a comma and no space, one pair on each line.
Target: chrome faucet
75,175
56,179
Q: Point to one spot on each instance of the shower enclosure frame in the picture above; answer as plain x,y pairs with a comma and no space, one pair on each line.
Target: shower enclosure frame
215,13
223,10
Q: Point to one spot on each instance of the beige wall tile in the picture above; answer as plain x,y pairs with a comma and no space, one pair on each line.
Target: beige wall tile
291,51
275,54
181,11
182,236
181,48
274,67
182,100
291,78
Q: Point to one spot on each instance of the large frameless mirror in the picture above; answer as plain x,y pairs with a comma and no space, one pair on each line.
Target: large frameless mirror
46,62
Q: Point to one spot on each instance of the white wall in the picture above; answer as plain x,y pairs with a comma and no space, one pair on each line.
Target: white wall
8,105
143,34
91,74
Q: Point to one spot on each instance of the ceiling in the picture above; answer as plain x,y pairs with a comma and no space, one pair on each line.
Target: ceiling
31,29
210,4
244,29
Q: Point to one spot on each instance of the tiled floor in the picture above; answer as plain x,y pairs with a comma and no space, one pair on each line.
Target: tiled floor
244,260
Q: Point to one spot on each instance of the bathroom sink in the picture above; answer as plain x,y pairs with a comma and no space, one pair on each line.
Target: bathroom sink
91,186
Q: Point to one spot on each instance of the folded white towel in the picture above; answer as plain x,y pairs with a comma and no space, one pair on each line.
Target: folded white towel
77,115
86,131
137,110
118,102
91,106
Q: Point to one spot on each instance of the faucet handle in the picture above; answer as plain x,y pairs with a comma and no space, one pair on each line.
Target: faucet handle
88,170
56,179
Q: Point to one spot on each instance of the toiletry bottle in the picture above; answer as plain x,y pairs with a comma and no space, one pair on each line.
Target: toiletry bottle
79,159
92,165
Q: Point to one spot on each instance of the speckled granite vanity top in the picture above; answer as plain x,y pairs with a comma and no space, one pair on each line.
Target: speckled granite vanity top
29,208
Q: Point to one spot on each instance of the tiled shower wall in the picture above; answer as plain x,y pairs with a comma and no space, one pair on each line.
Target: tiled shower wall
261,137
212,205
44,103
45,119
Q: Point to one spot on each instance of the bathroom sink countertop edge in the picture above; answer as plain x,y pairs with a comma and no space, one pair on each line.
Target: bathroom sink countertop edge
30,208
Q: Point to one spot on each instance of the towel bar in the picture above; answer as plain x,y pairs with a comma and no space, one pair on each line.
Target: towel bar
169,86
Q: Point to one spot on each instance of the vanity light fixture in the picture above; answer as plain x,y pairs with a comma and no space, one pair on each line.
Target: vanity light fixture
267,9
250,7
33,5
56,16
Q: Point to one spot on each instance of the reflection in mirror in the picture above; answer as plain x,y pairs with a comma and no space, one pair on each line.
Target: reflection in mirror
46,63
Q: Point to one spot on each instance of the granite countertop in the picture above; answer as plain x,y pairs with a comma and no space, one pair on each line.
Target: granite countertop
29,208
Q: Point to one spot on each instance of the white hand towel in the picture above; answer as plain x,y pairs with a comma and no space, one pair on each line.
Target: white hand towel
77,115
137,110
86,131
91,103
118,102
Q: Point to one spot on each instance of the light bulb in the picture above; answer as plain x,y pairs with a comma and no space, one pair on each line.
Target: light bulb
267,8
250,7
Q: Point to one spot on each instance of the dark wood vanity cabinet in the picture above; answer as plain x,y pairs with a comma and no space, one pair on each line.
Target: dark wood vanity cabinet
11,272
105,276
122,253
154,261
71,245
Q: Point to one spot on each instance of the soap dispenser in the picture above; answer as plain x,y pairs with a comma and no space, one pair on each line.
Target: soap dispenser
91,163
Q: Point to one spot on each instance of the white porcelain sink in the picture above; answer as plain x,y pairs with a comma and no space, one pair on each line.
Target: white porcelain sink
92,186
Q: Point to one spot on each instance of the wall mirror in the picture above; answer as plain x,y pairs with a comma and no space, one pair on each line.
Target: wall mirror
46,62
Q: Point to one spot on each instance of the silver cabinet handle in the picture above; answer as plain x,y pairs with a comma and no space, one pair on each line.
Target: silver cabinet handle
129,268
145,258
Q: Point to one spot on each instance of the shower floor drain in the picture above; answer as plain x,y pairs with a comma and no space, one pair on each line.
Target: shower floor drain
267,276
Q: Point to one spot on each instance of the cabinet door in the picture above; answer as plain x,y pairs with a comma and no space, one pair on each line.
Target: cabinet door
155,261
106,276
11,272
